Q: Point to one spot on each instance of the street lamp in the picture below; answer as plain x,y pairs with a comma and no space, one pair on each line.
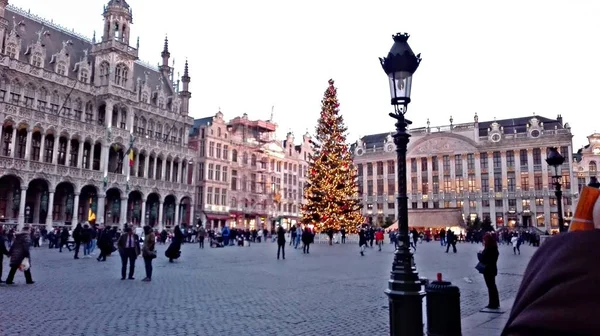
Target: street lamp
404,287
555,161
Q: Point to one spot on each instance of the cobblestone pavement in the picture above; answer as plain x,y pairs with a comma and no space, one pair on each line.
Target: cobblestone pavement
241,291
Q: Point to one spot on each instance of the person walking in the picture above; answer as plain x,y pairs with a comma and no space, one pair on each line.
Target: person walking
450,241
488,267
105,243
77,239
64,239
307,239
443,237
3,251
379,238
19,250
148,252
129,250
343,233
515,244
201,235
298,236
174,250
280,242
362,240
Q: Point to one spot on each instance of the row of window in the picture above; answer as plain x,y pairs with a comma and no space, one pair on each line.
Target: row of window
473,205
458,162
458,183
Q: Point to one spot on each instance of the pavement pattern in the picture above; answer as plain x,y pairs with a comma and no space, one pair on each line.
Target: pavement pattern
235,291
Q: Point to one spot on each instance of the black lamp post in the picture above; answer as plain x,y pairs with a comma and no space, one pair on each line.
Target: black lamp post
404,287
594,182
555,161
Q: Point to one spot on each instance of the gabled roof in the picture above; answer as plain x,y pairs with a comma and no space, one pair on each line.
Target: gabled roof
199,123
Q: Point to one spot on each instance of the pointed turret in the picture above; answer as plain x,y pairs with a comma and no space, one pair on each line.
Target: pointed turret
185,93
165,69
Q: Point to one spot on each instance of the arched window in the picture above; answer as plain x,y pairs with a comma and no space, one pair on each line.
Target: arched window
593,167
3,88
89,112
158,131
219,131
234,155
253,160
42,99
104,72
61,68
150,127
142,126
11,50
36,60
121,73
84,76
29,95
54,102
180,136
78,109
15,92
245,158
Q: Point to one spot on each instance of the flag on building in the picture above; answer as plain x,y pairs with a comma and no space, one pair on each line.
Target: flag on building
131,157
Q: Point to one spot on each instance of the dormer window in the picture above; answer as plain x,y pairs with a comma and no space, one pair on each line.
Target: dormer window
145,97
161,103
11,50
36,60
84,75
121,73
61,68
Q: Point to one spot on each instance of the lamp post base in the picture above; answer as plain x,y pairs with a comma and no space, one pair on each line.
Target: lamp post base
405,293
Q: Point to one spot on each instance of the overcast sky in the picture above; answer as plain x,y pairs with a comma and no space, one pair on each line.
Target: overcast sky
511,58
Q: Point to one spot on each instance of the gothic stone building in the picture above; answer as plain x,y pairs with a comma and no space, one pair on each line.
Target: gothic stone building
247,178
89,132
494,169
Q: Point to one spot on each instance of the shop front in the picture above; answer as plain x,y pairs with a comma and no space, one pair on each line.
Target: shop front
215,221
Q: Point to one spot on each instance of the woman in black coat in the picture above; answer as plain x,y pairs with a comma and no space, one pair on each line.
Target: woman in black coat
173,251
105,243
19,250
488,258
307,239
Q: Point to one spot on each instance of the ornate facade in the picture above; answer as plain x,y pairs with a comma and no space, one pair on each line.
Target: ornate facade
89,132
493,169
587,160
246,177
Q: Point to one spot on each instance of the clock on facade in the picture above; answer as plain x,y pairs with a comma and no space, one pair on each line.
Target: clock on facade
496,137
535,133
359,151
389,147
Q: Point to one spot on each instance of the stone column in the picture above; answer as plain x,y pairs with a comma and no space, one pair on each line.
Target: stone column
163,170
55,149
123,215
191,211
108,112
177,205
180,170
42,148
154,168
28,145
21,218
13,144
430,181
80,155
171,173
143,214
136,164
160,215
50,210
100,211
453,191
504,172
75,216
466,194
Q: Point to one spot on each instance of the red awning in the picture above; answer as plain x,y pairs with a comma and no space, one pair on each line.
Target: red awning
213,216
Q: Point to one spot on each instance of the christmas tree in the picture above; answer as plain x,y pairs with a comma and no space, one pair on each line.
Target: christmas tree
331,191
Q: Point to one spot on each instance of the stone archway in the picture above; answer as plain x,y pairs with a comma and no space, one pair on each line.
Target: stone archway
169,214
152,209
112,207
37,202
87,208
134,207
64,201
185,217
10,198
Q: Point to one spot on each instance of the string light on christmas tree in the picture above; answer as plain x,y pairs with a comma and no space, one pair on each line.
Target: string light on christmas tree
331,191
